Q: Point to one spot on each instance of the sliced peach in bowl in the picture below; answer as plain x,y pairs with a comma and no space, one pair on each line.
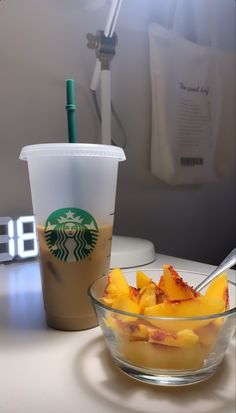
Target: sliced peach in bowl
218,288
194,307
156,325
147,296
155,356
131,329
182,338
142,279
174,286
116,286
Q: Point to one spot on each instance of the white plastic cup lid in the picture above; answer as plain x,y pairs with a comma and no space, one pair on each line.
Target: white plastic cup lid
72,149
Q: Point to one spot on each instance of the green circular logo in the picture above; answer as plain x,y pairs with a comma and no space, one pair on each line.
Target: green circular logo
71,234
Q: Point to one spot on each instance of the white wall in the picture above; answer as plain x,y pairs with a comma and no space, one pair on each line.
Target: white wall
43,43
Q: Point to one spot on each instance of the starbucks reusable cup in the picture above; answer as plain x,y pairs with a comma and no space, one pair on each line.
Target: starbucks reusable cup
73,189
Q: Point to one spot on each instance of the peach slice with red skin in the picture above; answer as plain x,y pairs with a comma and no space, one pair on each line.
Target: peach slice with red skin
147,296
183,338
116,286
208,334
134,294
132,330
124,303
195,307
142,279
149,355
174,286
218,288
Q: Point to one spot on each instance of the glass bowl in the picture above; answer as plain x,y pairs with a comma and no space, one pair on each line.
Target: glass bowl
165,351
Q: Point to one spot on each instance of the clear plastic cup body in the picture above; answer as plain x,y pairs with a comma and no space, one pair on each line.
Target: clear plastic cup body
73,189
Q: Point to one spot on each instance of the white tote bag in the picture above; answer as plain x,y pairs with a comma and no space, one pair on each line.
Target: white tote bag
193,101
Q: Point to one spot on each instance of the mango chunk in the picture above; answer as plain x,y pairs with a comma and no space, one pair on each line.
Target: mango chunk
174,286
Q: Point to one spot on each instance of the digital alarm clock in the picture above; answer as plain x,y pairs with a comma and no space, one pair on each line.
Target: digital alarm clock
17,238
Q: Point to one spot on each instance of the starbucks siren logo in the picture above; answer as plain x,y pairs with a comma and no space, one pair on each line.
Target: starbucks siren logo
71,234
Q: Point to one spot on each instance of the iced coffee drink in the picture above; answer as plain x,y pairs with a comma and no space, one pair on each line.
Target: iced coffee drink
67,269
73,188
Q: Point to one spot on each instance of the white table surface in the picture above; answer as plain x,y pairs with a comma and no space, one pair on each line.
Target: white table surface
45,370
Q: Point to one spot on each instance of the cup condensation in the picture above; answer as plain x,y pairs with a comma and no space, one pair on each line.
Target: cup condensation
73,189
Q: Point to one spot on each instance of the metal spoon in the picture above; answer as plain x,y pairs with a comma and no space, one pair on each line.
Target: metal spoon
228,262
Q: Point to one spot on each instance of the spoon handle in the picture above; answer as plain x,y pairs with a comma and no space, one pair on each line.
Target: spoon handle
228,262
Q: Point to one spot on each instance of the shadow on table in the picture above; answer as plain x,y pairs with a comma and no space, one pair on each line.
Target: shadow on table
22,321
98,376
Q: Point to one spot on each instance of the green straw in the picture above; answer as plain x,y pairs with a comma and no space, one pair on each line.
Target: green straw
71,108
